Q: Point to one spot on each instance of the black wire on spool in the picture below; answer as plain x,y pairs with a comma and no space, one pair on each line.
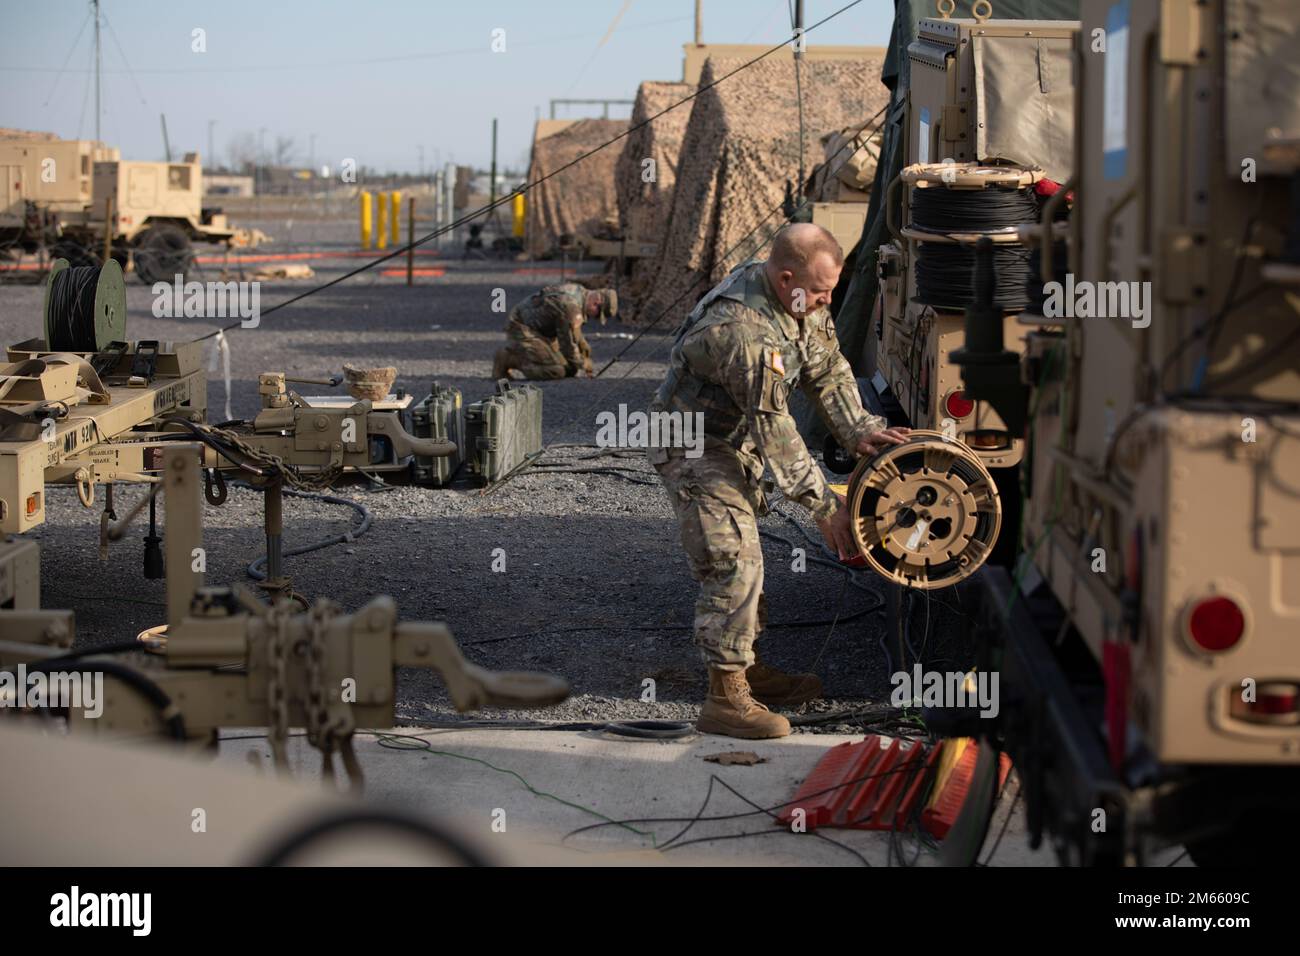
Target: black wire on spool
72,309
944,210
945,275
1034,290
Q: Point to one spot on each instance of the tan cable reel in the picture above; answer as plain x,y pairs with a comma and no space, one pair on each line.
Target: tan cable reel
926,513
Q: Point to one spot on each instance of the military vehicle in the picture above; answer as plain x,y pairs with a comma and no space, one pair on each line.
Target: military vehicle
76,198
1147,637
986,118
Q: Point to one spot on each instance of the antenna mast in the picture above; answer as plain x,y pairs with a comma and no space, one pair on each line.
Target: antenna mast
95,4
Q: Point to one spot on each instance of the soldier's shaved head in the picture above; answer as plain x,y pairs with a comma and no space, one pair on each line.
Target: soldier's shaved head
797,245
804,267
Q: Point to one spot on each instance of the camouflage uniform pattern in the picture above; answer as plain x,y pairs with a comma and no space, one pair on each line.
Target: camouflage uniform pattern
735,359
544,334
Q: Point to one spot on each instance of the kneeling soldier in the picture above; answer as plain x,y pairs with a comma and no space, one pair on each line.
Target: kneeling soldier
544,333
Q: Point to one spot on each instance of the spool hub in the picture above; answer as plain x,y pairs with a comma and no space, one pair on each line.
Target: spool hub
926,513
109,318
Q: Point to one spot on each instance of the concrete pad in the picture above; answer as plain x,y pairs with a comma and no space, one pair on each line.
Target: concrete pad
479,778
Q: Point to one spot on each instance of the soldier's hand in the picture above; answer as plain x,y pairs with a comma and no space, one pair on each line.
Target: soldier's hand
837,533
876,442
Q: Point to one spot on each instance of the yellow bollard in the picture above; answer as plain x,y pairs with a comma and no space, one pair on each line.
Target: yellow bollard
517,226
395,217
381,223
365,220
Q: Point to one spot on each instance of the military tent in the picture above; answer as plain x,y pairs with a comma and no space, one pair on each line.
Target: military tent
582,199
740,150
647,172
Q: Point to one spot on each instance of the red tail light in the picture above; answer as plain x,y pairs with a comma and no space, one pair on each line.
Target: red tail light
1216,624
957,405
1276,702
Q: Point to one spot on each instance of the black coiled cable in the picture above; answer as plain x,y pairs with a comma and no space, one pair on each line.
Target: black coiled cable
943,210
72,309
945,275
1034,290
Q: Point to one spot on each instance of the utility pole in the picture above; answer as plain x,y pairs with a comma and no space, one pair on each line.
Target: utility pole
261,158
798,66
95,4
492,186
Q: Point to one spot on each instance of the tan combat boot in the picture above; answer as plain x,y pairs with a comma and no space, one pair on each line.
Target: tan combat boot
730,710
778,689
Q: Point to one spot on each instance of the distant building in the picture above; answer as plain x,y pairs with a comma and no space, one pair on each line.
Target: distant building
219,184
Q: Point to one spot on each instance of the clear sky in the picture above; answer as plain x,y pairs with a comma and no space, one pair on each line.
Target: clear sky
374,81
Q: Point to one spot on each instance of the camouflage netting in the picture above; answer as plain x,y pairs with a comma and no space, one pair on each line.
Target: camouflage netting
643,206
740,148
580,199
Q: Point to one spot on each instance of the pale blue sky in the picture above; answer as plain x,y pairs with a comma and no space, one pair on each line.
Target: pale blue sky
298,68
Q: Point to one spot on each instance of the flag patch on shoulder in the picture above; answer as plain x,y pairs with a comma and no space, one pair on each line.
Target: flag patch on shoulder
775,361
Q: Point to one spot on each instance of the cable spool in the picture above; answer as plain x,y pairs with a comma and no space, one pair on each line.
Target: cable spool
85,307
926,513
952,206
945,275
992,208
1035,293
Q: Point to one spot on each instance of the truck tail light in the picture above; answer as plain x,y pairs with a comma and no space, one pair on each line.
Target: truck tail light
1276,702
957,405
1216,624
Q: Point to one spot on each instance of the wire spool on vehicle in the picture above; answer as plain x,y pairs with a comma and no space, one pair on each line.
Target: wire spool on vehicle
1035,290
85,307
952,206
925,513
945,275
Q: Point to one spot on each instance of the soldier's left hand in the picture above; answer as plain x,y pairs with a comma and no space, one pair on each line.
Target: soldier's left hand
876,442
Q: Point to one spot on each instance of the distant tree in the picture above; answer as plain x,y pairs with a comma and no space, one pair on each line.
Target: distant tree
242,150
284,151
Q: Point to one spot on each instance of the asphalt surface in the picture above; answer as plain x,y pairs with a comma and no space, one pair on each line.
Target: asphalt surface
596,586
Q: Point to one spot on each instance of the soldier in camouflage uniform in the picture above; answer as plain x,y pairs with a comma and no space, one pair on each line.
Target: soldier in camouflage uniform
763,331
544,332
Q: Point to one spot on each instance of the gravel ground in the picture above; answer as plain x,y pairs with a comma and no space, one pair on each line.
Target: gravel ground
596,587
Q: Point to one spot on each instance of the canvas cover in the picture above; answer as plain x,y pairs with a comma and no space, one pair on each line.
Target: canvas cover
1025,102
740,148
580,199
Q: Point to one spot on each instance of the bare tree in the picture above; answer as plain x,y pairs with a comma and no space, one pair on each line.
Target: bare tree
284,150
243,152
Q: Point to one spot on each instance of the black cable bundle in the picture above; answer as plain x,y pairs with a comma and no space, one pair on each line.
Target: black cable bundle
943,210
72,309
945,275
1034,289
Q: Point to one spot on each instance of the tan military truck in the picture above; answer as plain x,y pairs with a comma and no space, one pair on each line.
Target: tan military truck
58,193
1147,639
